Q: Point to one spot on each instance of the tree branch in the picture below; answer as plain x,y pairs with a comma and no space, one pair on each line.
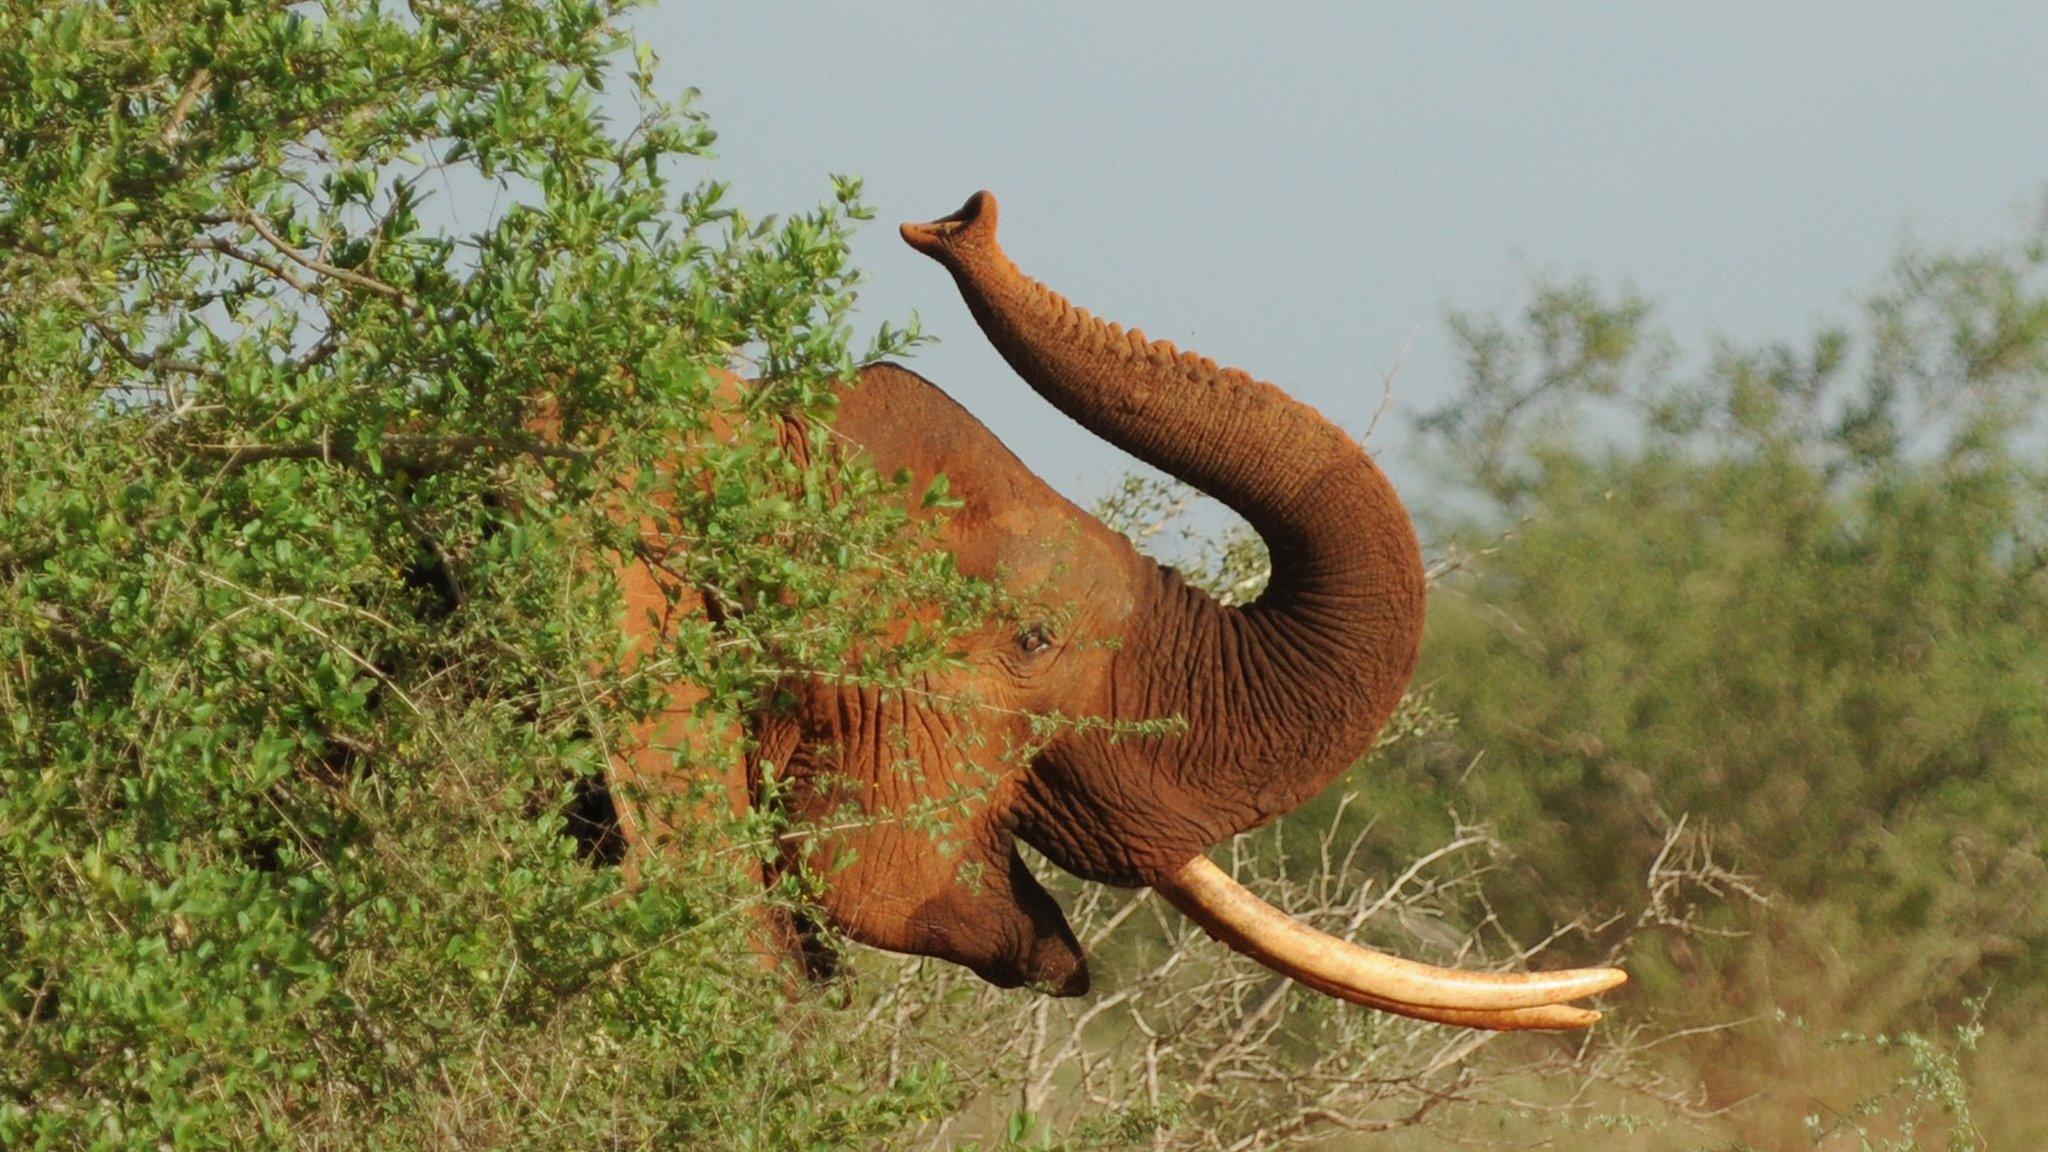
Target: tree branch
291,253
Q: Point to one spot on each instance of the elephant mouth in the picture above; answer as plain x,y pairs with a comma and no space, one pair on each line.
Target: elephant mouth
1055,967
1500,1001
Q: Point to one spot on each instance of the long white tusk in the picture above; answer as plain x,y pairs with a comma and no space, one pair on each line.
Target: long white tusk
1228,911
1548,1018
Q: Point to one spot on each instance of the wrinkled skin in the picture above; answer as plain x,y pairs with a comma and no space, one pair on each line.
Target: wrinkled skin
1277,697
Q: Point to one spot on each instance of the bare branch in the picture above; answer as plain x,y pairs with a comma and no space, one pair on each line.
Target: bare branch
288,251
1217,1053
1387,379
174,126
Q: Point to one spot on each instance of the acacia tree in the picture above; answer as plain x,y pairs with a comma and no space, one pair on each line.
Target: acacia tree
312,481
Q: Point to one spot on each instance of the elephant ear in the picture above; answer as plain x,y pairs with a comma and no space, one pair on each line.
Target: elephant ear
1280,696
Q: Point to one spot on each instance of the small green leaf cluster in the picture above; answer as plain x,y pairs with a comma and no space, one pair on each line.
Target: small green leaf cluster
314,492
1931,1094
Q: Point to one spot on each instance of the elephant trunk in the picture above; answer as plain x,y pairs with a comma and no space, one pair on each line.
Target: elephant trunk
1311,671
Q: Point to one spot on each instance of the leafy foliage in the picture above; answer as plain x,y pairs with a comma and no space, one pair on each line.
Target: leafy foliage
314,492
1932,1092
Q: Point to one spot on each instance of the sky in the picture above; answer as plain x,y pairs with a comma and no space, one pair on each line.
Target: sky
1302,190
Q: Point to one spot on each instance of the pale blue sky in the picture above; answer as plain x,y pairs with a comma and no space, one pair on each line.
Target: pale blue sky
1298,189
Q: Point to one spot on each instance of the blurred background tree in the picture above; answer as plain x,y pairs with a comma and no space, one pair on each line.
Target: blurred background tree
1789,602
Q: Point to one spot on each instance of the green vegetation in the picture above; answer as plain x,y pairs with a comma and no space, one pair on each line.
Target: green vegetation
307,638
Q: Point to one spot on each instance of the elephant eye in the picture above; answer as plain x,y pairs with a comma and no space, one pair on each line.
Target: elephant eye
1034,640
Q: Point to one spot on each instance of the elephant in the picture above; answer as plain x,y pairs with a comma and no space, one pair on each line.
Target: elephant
1274,698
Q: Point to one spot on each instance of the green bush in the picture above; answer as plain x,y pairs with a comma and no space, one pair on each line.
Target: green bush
311,490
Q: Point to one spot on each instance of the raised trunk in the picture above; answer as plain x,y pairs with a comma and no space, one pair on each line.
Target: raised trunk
1284,693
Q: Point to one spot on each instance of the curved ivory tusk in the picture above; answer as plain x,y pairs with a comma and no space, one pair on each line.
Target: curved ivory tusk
1228,911
1547,1018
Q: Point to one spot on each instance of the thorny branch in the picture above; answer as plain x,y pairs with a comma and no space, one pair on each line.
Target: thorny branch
1206,1052
285,248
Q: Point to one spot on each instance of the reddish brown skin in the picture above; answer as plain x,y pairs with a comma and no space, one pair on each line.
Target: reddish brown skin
1278,696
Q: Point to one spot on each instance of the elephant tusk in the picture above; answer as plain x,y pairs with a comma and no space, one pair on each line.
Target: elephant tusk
1228,911
1546,1018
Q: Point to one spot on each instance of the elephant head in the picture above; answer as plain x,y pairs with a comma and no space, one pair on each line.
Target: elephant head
1275,698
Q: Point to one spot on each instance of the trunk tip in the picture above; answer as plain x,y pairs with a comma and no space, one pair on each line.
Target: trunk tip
973,225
